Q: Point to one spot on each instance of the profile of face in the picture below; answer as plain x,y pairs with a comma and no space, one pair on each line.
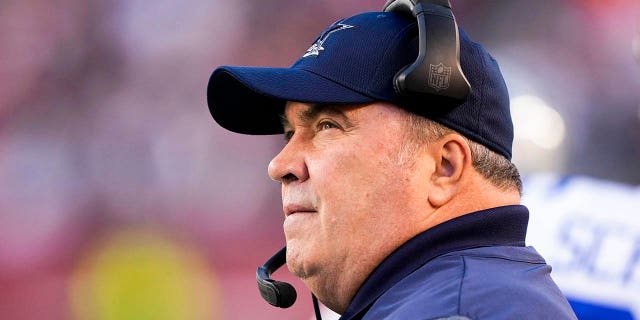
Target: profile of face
348,192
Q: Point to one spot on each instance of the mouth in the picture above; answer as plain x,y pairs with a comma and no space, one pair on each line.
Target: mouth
290,209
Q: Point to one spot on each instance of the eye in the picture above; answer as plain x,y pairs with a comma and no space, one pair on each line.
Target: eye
288,135
324,125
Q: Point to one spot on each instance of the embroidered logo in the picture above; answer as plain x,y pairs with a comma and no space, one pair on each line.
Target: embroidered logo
439,76
315,49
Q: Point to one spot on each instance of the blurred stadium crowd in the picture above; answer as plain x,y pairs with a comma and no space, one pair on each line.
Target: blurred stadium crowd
121,199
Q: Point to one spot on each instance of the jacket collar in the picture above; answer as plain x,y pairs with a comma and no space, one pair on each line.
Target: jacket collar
502,226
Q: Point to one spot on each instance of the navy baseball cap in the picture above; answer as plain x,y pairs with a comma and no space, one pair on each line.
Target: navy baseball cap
354,61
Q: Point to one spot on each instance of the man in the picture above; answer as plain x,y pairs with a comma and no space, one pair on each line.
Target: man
396,207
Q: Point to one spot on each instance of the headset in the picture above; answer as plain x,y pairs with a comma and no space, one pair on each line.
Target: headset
277,293
436,71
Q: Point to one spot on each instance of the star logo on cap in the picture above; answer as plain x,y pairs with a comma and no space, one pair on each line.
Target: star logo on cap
315,49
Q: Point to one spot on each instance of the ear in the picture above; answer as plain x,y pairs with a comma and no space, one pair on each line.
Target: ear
452,157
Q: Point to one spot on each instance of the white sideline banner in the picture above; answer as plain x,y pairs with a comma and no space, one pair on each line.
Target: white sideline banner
588,230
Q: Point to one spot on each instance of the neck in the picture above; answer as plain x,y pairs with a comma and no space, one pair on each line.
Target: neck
476,195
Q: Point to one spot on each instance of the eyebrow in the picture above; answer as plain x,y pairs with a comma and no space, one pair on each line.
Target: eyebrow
314,111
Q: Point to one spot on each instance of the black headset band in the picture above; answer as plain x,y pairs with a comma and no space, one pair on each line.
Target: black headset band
437,69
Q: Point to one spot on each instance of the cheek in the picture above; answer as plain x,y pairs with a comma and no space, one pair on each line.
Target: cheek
357,181
342,176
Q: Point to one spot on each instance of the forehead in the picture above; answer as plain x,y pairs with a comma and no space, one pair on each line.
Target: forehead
304,109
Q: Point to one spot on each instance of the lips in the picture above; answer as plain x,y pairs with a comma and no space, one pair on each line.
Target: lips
290,209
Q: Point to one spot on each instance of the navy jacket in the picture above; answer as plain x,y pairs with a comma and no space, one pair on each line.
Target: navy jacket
473,267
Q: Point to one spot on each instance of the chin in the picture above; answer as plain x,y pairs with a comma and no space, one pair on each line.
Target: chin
299,264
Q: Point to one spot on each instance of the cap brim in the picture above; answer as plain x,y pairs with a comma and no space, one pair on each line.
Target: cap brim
250,100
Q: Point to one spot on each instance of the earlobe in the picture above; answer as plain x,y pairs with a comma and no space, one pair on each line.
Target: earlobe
452,157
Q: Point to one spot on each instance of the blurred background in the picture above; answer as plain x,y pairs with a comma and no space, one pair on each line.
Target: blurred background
120,198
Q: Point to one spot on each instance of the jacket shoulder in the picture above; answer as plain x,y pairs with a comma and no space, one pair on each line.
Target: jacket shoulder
481,283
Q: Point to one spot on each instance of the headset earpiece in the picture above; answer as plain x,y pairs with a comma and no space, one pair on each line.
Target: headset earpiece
437,69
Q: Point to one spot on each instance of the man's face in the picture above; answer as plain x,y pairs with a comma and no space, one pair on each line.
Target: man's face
347,189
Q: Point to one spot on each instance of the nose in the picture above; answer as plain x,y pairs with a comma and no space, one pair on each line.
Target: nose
289,165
